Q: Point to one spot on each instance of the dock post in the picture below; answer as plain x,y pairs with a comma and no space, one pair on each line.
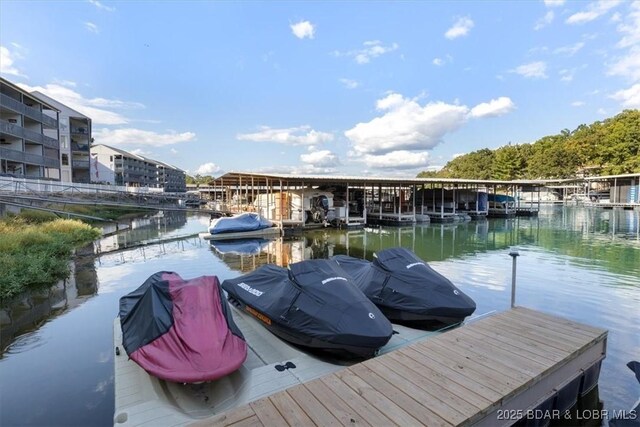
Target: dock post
514,255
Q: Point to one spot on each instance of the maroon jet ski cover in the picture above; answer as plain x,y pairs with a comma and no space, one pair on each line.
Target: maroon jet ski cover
181,330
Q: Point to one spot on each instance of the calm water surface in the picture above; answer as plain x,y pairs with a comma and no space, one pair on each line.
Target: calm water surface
56,365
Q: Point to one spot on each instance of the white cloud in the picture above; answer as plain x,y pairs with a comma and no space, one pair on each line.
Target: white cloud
461,28
322,158
553,3
173,151
566,75
405,125
493,108
67,83
533,70
95,108
438,61
371,49
593,11
547,19
301,135
454,155
350,84
602,112
569,50
400,159
92,27
7,59
101,6
577,103
303,29
207,169
131,136
627,66
630,28
629,98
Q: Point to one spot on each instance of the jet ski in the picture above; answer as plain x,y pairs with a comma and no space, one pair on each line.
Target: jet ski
312,304
181,330
407,290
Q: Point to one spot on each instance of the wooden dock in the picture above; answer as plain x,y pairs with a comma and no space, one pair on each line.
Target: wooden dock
472,375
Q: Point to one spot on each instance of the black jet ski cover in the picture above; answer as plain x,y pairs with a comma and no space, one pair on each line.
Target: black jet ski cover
316,303
181,330
406,288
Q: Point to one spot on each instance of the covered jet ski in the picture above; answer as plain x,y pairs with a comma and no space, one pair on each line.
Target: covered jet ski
407,290
181,330
313,304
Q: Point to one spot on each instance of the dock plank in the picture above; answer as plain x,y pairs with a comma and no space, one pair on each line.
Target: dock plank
382,398
460,377
429,382
339,408
267,412
358,404
290,411
452,374
401,394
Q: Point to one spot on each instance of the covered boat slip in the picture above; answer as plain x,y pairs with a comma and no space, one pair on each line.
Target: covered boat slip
362,200
141,399
507,363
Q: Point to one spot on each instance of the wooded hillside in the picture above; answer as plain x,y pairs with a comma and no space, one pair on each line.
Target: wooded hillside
607,147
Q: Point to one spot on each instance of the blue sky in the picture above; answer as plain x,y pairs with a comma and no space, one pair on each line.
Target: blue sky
350,88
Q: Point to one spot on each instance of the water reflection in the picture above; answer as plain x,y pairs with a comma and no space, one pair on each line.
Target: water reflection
29,311
610,239
583,264
146,229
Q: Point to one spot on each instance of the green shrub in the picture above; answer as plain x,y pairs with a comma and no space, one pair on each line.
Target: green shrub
37,254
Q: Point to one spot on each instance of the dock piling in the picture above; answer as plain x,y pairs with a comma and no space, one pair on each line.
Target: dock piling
514,256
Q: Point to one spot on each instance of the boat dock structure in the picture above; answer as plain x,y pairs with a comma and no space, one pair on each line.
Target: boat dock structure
302,201
491,371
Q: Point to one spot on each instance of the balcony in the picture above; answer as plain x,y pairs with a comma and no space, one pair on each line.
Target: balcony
11,129
79,131
80,164
32,159
77,147
19,107
32,136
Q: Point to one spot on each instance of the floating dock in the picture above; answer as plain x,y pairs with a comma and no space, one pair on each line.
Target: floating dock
489,372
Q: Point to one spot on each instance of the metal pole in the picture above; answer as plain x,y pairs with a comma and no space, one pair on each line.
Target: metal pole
514,255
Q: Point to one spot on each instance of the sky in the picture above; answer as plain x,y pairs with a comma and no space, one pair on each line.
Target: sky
340,88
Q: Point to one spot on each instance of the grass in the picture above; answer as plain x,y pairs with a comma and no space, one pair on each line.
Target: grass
35,250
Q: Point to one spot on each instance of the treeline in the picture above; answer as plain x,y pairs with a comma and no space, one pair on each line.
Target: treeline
608,147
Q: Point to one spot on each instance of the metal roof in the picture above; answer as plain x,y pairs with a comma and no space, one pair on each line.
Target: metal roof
234,178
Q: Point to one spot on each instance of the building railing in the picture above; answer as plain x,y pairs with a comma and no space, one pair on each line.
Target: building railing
79,131
28,134
77,147
81,164
20,185
33,113
32,159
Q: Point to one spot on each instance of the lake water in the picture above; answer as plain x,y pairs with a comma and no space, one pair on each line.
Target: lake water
56,367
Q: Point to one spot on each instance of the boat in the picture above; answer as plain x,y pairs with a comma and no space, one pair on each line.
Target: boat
501,206
313,304
407,290
181,330
241,226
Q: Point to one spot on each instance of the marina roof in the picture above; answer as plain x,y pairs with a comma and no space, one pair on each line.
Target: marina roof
234,178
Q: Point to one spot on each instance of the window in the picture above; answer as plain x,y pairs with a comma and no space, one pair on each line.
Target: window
63,142
65,160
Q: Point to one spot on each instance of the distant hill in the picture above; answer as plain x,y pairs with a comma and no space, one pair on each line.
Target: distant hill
605,147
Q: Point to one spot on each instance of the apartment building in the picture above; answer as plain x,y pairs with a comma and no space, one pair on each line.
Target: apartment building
29,139
75,139
119,167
